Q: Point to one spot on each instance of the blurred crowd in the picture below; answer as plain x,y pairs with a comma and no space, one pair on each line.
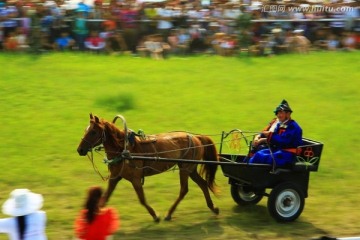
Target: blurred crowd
158,28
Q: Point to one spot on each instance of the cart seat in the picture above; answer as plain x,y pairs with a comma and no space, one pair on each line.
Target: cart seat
307,158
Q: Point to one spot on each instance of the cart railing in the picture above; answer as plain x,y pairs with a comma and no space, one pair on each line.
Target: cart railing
307,155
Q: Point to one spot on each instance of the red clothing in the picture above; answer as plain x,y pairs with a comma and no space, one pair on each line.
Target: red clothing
109,25
105,224
95,41
128,18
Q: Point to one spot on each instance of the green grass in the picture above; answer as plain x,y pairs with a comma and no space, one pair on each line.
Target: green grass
45,106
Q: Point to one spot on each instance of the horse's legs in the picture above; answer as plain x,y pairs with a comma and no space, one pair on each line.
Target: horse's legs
111,186
184,188
140,193
203,185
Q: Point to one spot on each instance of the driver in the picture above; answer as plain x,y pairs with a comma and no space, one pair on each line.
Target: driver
282,142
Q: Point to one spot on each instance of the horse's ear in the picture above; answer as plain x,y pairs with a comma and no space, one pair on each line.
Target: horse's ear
97,119
91,116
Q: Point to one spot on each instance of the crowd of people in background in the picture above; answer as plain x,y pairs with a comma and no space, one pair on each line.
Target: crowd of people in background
160,28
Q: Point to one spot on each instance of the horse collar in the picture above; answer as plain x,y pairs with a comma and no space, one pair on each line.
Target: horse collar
113,161
125,155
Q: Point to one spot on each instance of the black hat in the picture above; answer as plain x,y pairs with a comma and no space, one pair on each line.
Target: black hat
283,106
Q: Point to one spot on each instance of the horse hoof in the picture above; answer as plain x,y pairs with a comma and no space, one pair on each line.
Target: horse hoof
167,218
157,219
216,210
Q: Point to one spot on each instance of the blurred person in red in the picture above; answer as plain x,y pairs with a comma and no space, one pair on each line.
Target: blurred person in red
357,39
11,43
114,40
94,222
94,42
129,19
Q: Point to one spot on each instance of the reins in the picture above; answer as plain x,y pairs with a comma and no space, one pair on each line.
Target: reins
91,158
126,155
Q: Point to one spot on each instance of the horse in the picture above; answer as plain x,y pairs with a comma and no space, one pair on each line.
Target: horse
120,144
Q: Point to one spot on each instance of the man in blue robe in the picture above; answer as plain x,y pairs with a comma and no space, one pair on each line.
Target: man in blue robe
282,143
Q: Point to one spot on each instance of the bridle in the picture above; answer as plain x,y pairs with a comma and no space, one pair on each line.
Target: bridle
100,141
100,144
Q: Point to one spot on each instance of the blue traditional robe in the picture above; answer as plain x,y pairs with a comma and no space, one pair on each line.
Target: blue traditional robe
283,143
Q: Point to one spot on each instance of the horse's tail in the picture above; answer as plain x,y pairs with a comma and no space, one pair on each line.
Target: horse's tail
208,170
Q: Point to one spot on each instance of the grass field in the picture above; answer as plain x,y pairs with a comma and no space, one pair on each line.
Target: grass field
45,106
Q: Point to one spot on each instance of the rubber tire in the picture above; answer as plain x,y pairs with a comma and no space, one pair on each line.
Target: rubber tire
283,211
243,196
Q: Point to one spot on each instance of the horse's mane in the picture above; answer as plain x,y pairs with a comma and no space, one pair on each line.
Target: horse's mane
116,135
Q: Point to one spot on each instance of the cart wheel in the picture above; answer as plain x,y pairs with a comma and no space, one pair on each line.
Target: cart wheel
245,195
286,202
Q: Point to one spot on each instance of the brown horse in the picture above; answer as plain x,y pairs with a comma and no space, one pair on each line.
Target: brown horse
173,145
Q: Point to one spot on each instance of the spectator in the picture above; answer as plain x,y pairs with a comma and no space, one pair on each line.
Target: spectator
245,41
1,36
84,8
47,21
27,221
217,41
231,15
337,27
321,38
357,39
348,41
80,29
149,15
173,41
11,43
114,40
300,43
164,24
228,45
183,38
22,39
93,222
279,41
64,42
197,42
154,47
45,42
129,17
180,18
266,45
96,14
8,12
94,42
333,42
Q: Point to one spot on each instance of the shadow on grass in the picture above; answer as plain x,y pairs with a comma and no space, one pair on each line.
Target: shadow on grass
251,222
256,221
175,230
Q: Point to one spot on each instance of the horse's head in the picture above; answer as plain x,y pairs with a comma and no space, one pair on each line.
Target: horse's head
94,136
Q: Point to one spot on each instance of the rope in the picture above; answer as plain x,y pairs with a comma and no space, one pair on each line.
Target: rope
141,133
188,148
173,168
95,167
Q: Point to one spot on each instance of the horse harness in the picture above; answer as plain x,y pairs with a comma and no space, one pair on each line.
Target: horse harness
125,155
